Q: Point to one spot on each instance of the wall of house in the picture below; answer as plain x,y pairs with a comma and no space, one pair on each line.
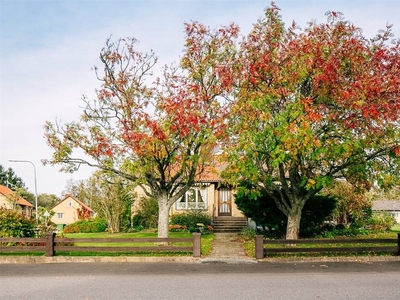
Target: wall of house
396,215
212,203
5,203
68,207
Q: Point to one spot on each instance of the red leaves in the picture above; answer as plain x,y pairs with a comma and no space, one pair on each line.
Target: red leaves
396,151
101,147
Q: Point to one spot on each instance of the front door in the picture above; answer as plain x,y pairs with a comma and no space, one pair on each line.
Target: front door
224,202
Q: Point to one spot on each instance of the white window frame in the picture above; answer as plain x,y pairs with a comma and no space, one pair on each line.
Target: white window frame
200,193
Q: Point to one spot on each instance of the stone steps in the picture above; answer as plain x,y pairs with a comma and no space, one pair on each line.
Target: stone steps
229,224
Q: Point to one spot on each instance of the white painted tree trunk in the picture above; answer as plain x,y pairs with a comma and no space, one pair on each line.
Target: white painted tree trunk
163,217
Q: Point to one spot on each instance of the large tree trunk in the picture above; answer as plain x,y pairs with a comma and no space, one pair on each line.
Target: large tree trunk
163,217
293,221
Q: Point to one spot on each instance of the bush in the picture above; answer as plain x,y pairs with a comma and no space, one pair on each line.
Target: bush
147,214
248,233
381,221
190,219
261,208
83,226
13,224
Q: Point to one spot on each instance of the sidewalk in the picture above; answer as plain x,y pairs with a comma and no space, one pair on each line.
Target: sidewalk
227,249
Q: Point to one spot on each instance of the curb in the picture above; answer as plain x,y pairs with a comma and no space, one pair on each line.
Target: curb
92,259
360,259
214,260
183,259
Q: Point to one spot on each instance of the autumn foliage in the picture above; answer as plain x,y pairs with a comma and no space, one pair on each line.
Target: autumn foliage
311,105
159,132
292,108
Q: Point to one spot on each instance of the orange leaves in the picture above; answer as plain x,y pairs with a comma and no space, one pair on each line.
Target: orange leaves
101,147
396,151
371,111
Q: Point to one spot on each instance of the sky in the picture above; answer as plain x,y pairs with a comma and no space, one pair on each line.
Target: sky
48,50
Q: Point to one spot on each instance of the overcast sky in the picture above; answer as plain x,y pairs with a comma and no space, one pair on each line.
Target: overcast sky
48,48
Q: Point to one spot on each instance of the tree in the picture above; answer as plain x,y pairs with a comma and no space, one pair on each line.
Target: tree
81,189
352,203
158,135
10,179
110,196
313,105
261,208
112,200
47,201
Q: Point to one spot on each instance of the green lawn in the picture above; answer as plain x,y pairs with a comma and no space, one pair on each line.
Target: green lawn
249,246
206,242
396,228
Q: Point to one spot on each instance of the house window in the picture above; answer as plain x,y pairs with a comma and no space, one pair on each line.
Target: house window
60,215
69,203
195,198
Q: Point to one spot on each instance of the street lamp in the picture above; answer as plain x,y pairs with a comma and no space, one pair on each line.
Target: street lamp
34,173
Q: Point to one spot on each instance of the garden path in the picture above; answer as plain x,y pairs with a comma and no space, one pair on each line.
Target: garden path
227,248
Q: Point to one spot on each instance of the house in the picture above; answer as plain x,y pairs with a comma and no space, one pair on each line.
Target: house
209,193
212,195
11,200
388,206
70,210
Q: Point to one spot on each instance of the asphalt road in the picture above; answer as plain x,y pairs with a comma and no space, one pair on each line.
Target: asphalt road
96,281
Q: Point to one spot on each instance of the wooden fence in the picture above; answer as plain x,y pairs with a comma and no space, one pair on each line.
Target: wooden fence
52,244
357,245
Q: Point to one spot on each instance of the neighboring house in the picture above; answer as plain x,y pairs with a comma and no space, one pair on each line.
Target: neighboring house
69,210
10,200
388,206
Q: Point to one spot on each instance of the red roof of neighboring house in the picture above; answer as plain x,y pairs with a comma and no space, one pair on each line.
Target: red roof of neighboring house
8,192
77,200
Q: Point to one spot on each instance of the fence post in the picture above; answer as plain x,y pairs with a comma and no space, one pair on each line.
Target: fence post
259,246
398,244
196,244
50,244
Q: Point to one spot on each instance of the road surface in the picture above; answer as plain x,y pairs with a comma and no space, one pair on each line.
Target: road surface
96,281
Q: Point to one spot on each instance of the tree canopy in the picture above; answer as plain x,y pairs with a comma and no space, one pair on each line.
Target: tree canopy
306,106
312,105
158,132
10,179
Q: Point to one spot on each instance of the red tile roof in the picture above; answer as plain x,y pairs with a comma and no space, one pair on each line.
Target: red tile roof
5,191
212,173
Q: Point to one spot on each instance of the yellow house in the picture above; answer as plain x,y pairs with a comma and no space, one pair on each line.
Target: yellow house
10,200
69,210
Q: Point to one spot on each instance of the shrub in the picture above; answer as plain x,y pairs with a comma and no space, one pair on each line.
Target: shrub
147,214
191,218
248,233
82,226
261,208
13,224
381,221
